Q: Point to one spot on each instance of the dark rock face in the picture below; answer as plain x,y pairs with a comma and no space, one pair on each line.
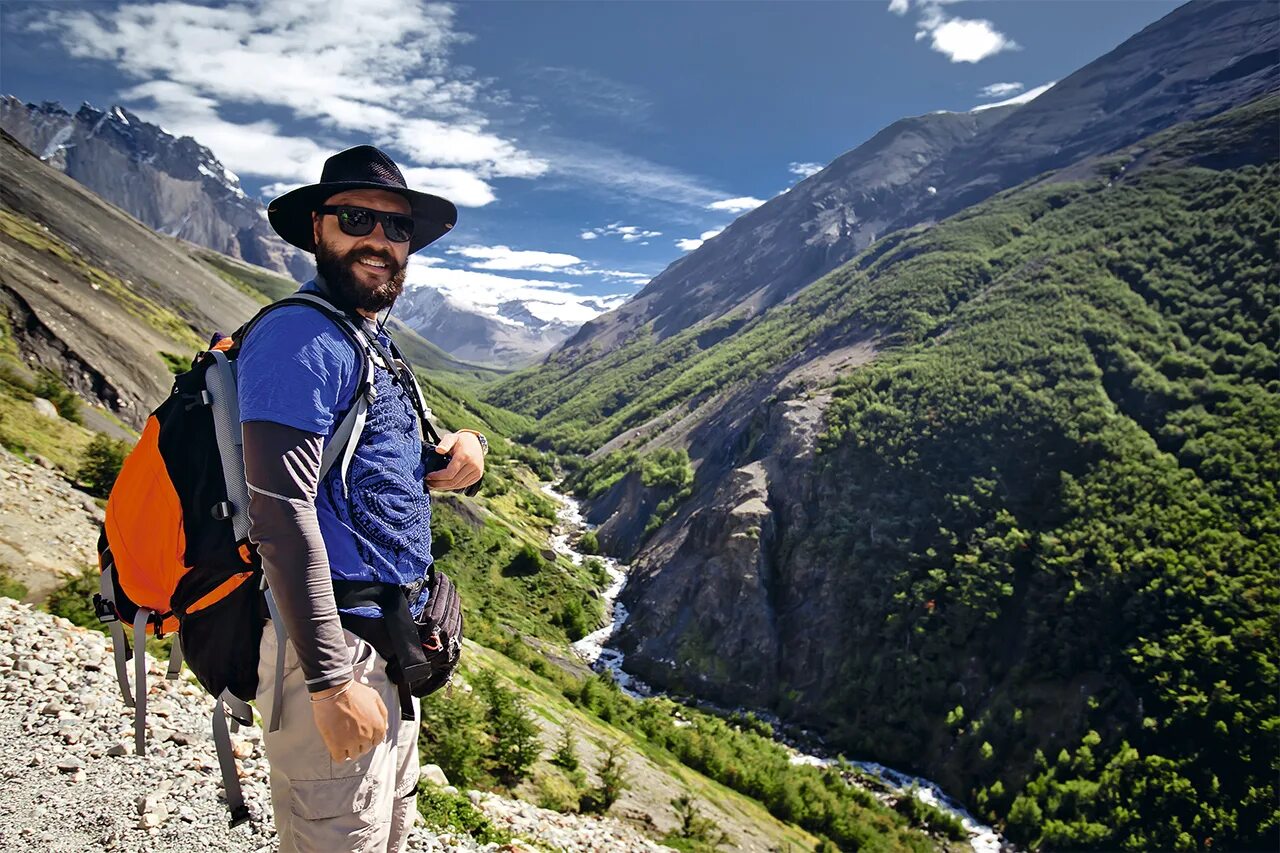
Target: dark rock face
516,337
1195,62
173,185
797,237
81,283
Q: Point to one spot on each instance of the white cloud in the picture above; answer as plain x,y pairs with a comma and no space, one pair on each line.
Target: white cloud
1000,90
736,205
628,233
969,40
804,170
505,258
485,291
688,244
1029,95
361,69
959,39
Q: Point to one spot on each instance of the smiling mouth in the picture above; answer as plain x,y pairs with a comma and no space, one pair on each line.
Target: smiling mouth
370,262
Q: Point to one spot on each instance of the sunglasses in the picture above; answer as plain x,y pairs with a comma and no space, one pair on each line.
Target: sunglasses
359,221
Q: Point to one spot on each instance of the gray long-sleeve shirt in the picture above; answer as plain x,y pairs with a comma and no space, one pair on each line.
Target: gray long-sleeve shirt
282,467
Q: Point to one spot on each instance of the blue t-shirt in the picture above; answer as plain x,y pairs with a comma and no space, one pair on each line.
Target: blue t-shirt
299,369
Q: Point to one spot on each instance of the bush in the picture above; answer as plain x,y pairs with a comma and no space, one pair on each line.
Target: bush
696,829
454,736
73,600
527,561
574,619
101,464
442,810
558,791
51,387
613,781
515,745
588,543
566,755
10,588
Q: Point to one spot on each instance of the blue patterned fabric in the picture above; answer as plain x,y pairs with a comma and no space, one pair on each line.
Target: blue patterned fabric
300,370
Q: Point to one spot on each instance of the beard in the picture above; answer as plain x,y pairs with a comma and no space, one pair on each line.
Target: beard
347,291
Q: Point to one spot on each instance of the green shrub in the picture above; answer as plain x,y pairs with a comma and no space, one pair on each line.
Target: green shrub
10,588
50,386
101,464
574,620
527,561
513,734
588,543
557,790
454,735
453,812
74,599
613,780
566,754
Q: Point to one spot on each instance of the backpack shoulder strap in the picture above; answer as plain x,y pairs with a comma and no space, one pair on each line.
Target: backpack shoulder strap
342,444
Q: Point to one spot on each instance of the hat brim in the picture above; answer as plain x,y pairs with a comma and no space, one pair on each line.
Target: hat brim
290,214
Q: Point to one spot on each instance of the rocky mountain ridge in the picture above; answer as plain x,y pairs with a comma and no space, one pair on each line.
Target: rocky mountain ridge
1198,60
515,337
171,184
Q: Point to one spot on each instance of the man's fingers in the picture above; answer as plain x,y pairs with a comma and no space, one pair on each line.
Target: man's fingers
460,480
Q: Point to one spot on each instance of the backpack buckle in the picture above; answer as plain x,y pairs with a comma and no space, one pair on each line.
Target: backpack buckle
104,609
222,510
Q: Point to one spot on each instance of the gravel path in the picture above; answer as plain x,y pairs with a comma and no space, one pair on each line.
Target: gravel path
69,780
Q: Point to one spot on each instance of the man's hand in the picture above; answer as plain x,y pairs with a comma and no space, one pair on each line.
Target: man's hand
351,723
466,466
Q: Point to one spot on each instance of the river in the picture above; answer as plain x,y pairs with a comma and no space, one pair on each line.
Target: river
594,649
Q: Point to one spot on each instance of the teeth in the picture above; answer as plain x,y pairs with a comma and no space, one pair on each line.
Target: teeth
373,263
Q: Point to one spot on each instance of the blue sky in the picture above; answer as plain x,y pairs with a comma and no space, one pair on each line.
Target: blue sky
588,144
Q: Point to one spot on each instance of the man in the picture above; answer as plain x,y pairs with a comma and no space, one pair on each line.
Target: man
344,762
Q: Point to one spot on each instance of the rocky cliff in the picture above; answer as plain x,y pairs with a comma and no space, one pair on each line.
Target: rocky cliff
171,184
1195,62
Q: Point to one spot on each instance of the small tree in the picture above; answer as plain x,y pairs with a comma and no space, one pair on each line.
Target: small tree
613,781
566,755
453,736
101,463
515,736
694,825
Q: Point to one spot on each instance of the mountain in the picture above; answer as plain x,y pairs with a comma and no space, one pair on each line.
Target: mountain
993,499
174,185
109,305
1190,64
511,337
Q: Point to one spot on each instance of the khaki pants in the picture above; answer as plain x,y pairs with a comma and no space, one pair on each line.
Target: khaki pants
325,806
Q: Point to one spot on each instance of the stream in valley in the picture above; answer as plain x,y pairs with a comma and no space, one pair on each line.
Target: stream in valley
594,649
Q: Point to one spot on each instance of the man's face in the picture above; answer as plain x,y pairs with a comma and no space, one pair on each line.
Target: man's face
367,273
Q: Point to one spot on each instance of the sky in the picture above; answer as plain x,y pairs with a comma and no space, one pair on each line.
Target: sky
588,145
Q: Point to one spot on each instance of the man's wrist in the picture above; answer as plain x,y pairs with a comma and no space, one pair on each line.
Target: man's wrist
484,442
329,692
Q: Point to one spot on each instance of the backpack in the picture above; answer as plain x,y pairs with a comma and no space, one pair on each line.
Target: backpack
175,555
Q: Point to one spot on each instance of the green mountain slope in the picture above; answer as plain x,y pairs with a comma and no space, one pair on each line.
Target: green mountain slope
1035,553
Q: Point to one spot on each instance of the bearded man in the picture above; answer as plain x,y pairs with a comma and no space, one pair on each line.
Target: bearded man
343,769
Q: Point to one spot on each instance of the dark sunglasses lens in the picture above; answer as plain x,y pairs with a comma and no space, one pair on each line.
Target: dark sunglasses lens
354,221
398,228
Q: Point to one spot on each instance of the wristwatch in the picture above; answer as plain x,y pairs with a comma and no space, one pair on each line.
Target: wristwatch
484,442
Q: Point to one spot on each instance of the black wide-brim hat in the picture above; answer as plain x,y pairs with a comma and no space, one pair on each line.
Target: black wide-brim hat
361,168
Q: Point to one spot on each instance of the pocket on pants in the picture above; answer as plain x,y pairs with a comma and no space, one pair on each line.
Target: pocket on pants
336,814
